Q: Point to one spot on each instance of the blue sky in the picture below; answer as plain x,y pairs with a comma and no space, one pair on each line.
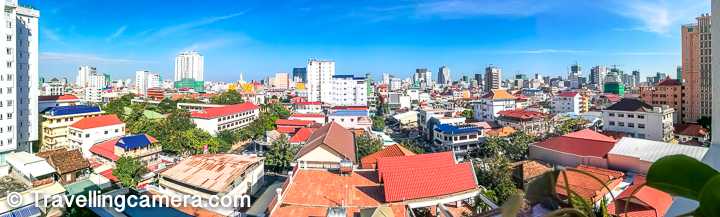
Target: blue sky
259,38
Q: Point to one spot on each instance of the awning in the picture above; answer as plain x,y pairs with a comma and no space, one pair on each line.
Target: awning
41,168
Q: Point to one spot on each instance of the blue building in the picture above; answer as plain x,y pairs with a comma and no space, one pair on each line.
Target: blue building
459,138
300,72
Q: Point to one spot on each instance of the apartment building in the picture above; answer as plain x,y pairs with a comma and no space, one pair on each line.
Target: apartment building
142,147
83,73
145,80
666,92
567,102
351,119
87,132
640,120
696,70
19,79
53,88
216,119
530,121
55,123
189,65
45,102
308,108
494,101
492,78
459,138
282,81
349,90
93,89
319,80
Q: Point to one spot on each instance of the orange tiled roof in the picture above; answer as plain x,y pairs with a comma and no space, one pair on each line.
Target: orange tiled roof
585,185
369,162
497,94
502,132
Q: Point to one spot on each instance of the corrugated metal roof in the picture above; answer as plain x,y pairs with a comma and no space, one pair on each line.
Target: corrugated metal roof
74,109
648,150
350,113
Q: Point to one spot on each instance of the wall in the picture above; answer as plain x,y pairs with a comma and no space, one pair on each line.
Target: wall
565,158
322,153
628,164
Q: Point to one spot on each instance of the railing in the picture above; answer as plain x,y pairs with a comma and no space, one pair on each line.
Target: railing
690,24
148,151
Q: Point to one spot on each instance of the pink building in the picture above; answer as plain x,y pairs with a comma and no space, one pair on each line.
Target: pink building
351,119
281,80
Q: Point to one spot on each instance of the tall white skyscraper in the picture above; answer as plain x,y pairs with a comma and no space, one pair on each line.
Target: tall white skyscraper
145,80
348,90
189,65
575,76
598,73
83,73
385,79
443,75
319,75
93,89
492,78
19,80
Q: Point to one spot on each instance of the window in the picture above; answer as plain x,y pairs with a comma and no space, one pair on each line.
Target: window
611,114
8,24
621,115
9,64
641,136
8,50
631,124
106,132
87,135
641,116
631,116
641,126
9,37
622,124
612,123
69,177
117,130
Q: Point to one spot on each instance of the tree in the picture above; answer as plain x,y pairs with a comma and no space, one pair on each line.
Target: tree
198,139
278,110
517,148
496,175
230,97
493,145
228,136
280,153
129,170
367,145
166,106
469,114
378,123
171,132
412,146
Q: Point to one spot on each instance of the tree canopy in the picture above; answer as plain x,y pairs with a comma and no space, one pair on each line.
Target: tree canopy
281,153
496,174
412,146
129,171
469,114
367,145
378,123
229,97
514,146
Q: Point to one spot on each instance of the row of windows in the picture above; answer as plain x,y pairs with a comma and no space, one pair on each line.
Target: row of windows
234,116
622,124
622,115
235,123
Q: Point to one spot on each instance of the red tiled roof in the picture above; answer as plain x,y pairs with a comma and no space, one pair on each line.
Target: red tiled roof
522,114
391,164
669,82
583,143
256,83
308,103
693,130
326,188
587,186
369,162
106,149
108,174
568,94
302,135
287,129
334,136
308,116
502,132
383,86
59,97
225,110
413,183
285,122
497,94
612,97
315,211
647,202
97,121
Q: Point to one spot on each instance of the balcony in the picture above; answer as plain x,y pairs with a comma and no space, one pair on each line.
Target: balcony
49,141
148,151
55,133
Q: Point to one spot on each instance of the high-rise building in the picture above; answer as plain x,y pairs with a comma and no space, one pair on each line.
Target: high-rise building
574,77
189,65
93,89
659,76
631,81
281,80
107,79
301,73
679,72
547,80
145,80
538,76
479,78
53,88
319,84
348,90
385,79
492,78
521,76
83,73
444,75
636,74
19,80
696,70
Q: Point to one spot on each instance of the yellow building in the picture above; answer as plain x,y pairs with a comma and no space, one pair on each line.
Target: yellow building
55,123
300,86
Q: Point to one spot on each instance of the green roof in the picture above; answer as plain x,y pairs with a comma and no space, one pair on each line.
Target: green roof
81,188
147,113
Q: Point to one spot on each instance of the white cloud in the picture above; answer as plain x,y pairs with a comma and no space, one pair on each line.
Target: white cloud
646,54
84,59
547,51
210,44
50,34
188,25
659,16
120,31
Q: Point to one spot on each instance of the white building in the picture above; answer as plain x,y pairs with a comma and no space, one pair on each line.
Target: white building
567,102
319,85
19,80
349,90
53,88
168,84
145,80
395,83
93,90
45,102
385,79
230,117
308,108
487,108
444,75
640,120
83,73
189,65
87,132
428,118
492,78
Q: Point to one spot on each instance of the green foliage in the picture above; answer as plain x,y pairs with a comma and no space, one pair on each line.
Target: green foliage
129,170
281,153
517,148
413,146
680,175
276,109
469,114
378,123
496,174
274,97
117,106
564,126
230,97
171,132
198,138
166,106
367,145
493,145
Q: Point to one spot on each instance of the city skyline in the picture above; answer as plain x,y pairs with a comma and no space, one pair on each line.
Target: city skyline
534,37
